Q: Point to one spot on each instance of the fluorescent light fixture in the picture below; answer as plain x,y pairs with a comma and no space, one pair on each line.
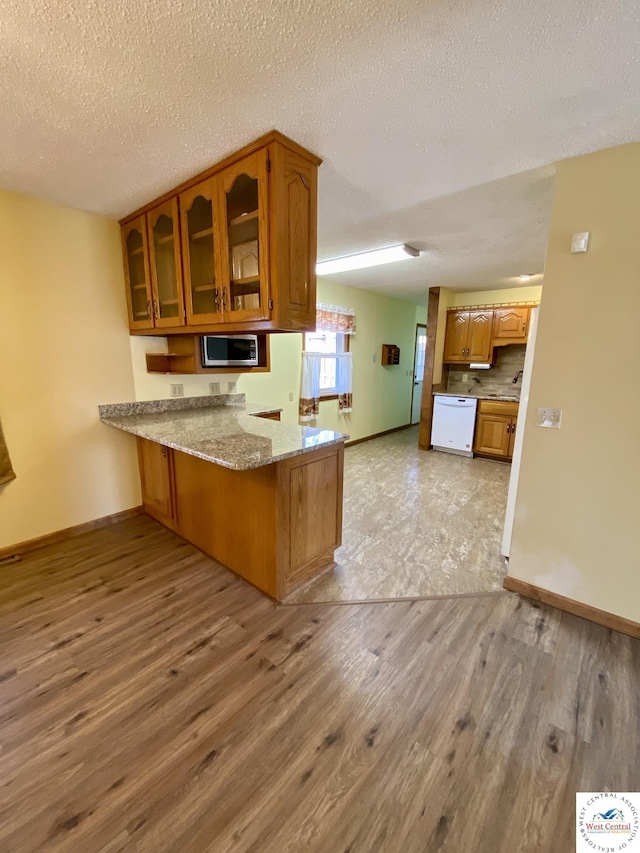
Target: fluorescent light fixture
367,259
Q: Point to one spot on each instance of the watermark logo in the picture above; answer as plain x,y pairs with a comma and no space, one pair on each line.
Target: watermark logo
607,822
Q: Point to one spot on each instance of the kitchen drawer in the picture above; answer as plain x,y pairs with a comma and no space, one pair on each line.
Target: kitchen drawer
498,407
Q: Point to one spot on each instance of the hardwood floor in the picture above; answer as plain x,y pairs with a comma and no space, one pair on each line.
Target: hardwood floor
151,701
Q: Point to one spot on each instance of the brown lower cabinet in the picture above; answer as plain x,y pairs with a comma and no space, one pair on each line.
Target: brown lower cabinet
495,429
267,524
157,480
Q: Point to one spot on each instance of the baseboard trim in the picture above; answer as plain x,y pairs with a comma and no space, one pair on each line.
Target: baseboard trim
377,435
68,532
577,608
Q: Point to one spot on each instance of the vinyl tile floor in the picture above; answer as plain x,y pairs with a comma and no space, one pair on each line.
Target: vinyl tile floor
416,524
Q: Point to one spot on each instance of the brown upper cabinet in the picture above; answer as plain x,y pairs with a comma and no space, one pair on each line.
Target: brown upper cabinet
471,335
245,243
468,336
153,271
511,322
136,272
167,304
201,253
233,249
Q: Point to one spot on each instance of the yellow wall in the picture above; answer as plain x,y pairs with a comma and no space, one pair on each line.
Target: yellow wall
576,527
63,350
381,395
527,293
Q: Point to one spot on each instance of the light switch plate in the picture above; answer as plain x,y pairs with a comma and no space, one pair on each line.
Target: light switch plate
176,389
549,418
214,387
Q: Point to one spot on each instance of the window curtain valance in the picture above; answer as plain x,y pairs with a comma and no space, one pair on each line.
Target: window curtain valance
335,318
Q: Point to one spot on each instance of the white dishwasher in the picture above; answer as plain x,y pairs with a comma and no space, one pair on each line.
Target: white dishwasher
454,420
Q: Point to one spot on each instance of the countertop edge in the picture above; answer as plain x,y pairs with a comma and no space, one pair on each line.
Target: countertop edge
174,445
119,421
503,398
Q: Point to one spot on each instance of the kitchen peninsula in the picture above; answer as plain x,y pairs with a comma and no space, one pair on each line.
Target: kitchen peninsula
262,497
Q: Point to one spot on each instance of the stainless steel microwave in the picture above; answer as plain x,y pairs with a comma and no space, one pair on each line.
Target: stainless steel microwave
229,350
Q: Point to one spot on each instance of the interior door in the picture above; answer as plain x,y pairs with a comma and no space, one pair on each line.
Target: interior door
418,372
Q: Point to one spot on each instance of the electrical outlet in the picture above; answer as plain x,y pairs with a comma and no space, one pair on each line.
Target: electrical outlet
291,396
231,387
214,387
465,377
549,418
176,389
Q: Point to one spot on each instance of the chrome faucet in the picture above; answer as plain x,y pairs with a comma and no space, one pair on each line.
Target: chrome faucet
517,376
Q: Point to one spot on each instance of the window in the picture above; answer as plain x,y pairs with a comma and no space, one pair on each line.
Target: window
331,344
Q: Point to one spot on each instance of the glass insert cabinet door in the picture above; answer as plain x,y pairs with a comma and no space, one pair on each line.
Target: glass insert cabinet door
244,238
164,256
136,269
203,293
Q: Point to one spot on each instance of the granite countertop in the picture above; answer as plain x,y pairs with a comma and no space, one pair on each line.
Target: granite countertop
510,398
222,429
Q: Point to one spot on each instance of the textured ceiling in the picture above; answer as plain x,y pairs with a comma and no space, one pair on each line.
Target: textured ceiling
420,110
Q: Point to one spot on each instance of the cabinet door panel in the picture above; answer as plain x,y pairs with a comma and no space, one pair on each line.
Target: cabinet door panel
166,268
512,437
156,477
294,237
479,339
244,239
136,270
492,435
455,342
200,253
511,323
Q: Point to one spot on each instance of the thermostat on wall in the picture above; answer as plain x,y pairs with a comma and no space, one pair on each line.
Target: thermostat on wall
580,242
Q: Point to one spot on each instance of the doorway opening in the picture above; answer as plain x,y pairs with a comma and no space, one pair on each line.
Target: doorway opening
419,354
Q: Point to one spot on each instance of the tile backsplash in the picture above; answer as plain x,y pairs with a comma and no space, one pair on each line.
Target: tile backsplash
497,380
